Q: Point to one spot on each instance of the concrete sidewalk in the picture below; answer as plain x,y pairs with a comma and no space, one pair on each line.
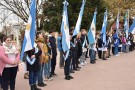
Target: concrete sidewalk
117,73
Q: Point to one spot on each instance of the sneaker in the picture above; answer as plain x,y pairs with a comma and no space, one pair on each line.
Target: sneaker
85,62
116,55
82,64
50,78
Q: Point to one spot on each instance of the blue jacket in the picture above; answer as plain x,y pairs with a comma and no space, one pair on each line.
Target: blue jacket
59,40
116,42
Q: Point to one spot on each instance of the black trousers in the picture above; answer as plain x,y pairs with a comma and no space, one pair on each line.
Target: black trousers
100,54
53,64
87,55
9,77
113,50
74,58
1,81
67,66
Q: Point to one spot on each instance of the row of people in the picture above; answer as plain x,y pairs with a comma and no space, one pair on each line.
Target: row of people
41,61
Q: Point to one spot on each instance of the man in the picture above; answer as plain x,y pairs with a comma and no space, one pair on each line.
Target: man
52,41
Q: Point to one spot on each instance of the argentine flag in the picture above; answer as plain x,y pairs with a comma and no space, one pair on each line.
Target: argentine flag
104,28
92,30
78,24
126,28
29,38
132,27
117,24
65,31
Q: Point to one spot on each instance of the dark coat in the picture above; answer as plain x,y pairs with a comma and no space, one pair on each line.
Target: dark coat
79,48
52,41
35,66
100,43
83,38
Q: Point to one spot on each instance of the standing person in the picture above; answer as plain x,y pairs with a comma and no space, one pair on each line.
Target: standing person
43,58
120,44
99,43
74,52
47,68
132,42
79,49
59,40
108,45
52,41
32,61
9,59
92,53
124,42
116,43
84,41
67,64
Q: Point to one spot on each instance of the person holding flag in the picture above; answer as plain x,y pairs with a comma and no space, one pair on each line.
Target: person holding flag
103,33
84,40
91,38
66,42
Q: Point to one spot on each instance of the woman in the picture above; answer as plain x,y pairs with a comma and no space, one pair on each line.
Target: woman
43,58
32,61
79,49
47,68
9,58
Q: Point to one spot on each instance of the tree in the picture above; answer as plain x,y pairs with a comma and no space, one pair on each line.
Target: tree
21,9
53,12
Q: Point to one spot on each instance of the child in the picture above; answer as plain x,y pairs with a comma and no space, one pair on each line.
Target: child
32,61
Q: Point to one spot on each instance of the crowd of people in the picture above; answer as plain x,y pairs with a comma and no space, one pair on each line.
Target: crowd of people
40,62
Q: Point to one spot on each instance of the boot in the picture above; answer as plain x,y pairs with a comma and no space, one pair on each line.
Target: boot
26,76
36,88
32,87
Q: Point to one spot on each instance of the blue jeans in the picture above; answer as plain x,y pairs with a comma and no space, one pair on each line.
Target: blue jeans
115,50
33,77
47,68
40,73
92,55
123,47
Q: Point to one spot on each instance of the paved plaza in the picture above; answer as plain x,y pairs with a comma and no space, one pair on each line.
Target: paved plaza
117,73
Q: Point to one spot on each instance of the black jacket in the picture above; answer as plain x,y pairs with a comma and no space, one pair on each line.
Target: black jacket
35,66
83,38
52,41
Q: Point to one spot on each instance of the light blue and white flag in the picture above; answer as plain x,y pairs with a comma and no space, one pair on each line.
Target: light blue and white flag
126,27
104,28
92,30
65,31
132,27
29,38
117,24
78,24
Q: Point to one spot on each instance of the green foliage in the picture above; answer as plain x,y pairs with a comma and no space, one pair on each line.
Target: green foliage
53,11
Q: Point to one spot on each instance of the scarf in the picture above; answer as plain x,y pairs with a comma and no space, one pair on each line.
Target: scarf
9,49
40,40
